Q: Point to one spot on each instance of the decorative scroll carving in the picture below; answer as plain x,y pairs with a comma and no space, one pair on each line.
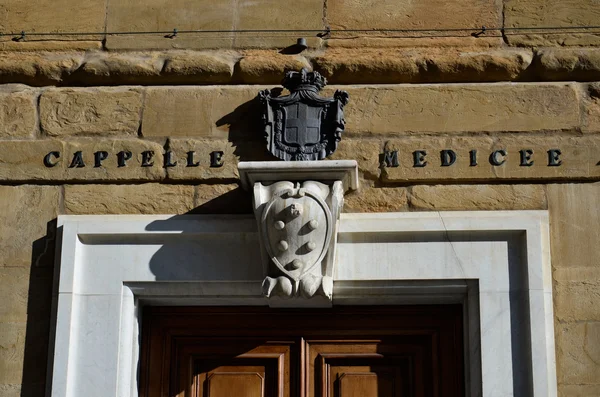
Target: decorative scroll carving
303,125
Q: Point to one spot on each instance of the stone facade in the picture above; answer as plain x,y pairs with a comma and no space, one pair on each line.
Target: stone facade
421,77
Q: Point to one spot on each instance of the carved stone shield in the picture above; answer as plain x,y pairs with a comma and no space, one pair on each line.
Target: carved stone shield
297,226
303,125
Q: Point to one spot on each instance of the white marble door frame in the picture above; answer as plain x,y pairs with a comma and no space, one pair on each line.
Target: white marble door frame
496,263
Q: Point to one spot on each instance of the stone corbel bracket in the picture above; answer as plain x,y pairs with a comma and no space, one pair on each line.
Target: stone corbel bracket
297,206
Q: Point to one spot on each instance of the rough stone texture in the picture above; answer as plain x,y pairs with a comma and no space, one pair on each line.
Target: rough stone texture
262,67
23,160
559,13
53,16
18,113
8,44
574,221
579,158
376,199
10,390
581,64
365,152
198,111
403,14
119,68
591,108
575,254
407,109
203,149
578,390
13,294
398,110
578,353
148,198
38,68
90,111
194,67
12,341
222,199
477,197
156,15
363,66
274,14
576,300
24,215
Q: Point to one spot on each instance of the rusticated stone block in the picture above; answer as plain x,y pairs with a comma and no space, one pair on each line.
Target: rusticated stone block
477,197
403,14
376,199
44,16
366,152
52,45
18,114
578,353
149,198
510,157
199,67
591,108
410,109
90,111
262,67
577,300
275,14
157,15
554,13
574,228
383,66
24,160
581,64
199,111
38,68
119,68
219,18
24,213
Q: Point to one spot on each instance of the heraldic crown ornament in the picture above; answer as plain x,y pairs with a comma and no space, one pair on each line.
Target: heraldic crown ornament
303,125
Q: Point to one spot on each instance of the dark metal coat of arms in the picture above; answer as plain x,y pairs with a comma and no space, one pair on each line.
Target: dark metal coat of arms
303,125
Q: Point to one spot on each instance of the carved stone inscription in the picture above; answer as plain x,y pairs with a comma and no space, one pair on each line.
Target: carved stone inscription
76,159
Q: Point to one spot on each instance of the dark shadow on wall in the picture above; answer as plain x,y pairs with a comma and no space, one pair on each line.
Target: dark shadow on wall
246,130
39,314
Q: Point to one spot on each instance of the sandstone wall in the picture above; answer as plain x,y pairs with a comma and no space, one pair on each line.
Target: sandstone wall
421,76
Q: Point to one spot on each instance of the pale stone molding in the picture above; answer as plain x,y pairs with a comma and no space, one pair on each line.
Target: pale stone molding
496,263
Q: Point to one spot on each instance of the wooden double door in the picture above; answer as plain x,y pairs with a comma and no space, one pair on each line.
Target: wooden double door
399,351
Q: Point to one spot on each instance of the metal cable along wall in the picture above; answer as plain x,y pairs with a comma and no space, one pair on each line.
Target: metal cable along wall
326,33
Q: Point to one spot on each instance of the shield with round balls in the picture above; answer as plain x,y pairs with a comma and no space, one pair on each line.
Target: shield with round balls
297,226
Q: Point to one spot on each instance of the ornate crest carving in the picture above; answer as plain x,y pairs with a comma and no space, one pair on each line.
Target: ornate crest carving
303,125
298,224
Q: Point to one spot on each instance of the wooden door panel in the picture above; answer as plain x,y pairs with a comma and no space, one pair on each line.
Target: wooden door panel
225,367
390,367
405,351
